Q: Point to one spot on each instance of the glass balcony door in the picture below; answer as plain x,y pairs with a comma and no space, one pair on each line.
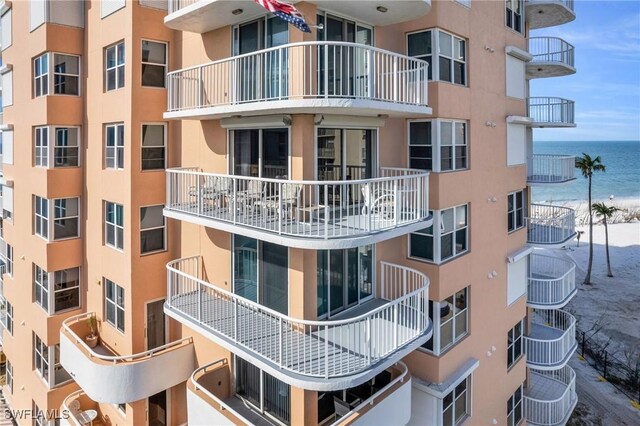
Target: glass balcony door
267,394
344,155
260,153
262,76
261,272
343,71
345,279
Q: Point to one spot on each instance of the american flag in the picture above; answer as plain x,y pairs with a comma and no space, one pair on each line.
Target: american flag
287,12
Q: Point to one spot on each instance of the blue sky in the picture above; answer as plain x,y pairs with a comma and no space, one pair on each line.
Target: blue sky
606,88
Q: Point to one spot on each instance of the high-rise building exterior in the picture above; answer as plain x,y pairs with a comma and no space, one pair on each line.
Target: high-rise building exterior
213,217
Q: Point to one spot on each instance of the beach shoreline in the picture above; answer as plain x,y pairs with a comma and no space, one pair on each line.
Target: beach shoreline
629,209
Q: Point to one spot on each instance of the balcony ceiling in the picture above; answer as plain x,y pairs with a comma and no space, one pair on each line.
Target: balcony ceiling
548,13
208,15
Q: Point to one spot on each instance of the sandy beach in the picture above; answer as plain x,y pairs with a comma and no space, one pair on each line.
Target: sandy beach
612,302
630,210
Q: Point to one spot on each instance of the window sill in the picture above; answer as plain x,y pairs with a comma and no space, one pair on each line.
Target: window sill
442,262
516,230
516,362
149,253
121,250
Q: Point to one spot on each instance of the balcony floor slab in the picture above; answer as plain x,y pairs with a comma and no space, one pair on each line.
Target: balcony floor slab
258,333
348,232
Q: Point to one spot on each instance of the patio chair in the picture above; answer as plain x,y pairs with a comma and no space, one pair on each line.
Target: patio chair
247,197
283,203
378,202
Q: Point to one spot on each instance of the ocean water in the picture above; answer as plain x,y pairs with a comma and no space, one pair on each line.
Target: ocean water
621,178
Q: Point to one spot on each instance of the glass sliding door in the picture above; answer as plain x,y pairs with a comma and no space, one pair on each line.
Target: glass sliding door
263,76
245,267
264,392
344,155
260,272
345,279
343,70
260,153
275,153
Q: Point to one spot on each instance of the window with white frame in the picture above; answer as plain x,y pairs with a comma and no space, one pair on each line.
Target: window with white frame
41,75
154,63
9,259
515,210
39,417
514,408
66,74
445,53
114,66
514,16
114,146
43,357
9,379
41,216
63,151
450,319
66,147
41,146
438,145
514,343
66,218
114,304
152,229
8,319
41,287
114,225
456,404
464,2
40,357
66,290
153,146
447,238
56,291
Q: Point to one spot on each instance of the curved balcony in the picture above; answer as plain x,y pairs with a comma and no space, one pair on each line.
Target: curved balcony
202,16
545,169
302,78
550,226
305,214
388,402
550,397
78,408
315,355
551,112
548,13
552,57
551,339
110,378
552,281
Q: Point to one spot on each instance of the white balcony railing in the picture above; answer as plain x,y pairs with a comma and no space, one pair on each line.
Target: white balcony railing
551,339
548,168
549,112
552,281
550,397
176,5
312,210
300,71
3,270
308,349
551,50
550,225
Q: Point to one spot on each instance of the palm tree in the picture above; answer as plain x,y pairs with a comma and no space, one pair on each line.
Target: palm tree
588,166
601,209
